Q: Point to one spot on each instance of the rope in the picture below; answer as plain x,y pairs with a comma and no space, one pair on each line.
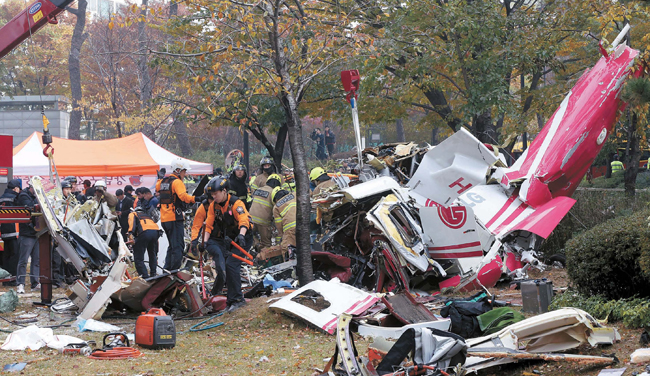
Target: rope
197,328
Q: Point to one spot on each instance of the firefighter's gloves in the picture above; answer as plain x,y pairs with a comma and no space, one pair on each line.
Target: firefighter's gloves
241,240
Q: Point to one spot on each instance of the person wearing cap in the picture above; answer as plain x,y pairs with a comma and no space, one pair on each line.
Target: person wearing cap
321,180
146,232
28,244
238,185
88,191
173,203
128,191
123,209
77,194
9,231
262,210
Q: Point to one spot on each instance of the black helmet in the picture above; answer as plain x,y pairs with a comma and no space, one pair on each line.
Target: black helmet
216,184
71,179
66,184
239,167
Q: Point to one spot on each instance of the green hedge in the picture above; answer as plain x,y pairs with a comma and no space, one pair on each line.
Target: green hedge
612,259
634,313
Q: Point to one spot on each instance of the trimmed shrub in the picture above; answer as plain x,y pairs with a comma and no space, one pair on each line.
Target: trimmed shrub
612,259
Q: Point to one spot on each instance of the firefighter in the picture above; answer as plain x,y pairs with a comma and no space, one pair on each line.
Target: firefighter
173,200
284,216
76,193
101,195
145,231
228,220
321,180
238,185
9,232
213,249
266,169
262,209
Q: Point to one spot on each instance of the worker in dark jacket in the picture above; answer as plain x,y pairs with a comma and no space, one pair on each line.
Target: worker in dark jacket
122,210
330,141
28,244
238,185
228,220
9,232
146,233
173,201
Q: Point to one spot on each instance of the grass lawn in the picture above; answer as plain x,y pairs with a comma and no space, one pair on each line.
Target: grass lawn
251,333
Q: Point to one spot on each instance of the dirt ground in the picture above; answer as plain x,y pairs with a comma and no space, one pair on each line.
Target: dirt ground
255,341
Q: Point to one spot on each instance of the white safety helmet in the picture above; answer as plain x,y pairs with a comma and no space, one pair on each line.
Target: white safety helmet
180,165
100,184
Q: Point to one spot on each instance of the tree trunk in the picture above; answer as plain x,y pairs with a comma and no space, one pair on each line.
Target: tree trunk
610,158
143,69
632,158
439,102
399,127
304,263
484,130
76,42
278,150
180,132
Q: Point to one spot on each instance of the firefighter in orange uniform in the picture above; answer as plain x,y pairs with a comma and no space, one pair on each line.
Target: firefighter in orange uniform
146,233
228,220
173,200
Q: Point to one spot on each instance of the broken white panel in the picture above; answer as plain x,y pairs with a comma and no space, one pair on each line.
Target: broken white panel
402,230
370,188
555,331
102,297
389,332
456,165
343,298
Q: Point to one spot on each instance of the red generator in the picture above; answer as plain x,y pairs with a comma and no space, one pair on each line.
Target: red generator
155,330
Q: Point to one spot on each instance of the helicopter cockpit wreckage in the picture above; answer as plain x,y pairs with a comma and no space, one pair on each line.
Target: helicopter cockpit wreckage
455,216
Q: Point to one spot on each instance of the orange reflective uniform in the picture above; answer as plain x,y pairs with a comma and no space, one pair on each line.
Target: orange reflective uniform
146,223
178,190
233,217
199,218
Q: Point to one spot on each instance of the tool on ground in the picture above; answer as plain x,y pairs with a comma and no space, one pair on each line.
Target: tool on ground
199,328
249,262
76,349
155,330
117,348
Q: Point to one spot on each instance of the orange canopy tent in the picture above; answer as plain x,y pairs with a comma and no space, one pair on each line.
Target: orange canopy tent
131,155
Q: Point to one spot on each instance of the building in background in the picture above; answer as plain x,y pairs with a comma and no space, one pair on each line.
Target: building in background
20,116
105,8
